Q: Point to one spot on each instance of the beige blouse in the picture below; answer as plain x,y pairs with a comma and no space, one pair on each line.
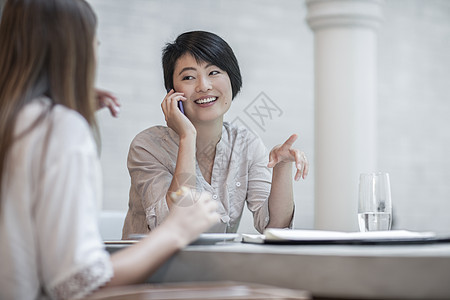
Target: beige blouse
240,175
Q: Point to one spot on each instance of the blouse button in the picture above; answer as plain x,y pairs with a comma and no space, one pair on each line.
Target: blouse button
238,184
214,196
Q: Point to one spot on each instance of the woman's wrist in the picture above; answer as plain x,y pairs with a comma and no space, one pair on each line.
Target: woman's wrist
178,233
179,238
188,136
186,149
283,165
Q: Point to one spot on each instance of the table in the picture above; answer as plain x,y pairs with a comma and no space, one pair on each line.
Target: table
327,271
199,291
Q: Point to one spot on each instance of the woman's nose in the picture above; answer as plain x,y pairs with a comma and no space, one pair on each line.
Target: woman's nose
204,84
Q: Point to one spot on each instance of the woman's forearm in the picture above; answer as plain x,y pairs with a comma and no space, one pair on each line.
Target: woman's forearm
136,263
281,198
184,174
184,223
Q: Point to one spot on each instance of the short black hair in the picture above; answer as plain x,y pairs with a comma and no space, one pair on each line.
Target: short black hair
204,47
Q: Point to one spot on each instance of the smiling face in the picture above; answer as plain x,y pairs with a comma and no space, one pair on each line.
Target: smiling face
206,87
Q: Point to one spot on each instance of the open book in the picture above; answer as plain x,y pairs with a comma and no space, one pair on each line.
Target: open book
295,236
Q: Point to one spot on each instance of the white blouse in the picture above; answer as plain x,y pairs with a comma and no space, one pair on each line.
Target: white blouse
239,176
50,246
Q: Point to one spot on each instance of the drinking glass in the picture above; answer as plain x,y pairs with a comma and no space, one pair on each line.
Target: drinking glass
374,207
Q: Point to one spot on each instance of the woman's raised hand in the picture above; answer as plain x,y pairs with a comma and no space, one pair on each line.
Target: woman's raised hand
107,99
175,119
285,153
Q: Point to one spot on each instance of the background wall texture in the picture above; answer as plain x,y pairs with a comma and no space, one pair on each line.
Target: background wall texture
274,46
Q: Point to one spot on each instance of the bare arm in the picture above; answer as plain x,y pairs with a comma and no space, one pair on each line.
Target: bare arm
184,223
281,199
184,174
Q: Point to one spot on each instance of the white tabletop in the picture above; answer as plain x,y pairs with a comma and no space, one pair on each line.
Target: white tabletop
340,271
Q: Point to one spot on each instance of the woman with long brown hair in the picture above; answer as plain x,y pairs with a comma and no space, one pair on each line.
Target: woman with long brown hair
50,176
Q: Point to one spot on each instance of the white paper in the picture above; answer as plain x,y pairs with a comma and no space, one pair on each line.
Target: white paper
313,235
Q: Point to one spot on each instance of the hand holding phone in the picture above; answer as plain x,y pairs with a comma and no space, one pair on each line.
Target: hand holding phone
180,106
180,103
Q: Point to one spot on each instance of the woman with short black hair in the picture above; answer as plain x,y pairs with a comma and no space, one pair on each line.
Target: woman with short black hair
199,149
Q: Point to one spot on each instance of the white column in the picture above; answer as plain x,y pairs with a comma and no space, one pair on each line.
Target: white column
345,50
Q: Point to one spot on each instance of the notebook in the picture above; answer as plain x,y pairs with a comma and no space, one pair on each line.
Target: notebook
316,237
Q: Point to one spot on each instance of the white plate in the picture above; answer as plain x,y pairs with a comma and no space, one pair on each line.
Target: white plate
214,238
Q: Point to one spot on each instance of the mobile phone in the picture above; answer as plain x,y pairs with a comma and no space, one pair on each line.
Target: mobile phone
180,106
180,103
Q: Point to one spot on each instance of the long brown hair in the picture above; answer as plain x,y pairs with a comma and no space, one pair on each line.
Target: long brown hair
46,47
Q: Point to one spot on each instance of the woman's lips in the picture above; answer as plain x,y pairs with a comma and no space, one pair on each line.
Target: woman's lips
205,102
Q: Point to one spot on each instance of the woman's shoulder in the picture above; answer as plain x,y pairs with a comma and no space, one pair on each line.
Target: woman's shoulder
67,117
72,131
55,129
43,106
156,139
66,124
154,133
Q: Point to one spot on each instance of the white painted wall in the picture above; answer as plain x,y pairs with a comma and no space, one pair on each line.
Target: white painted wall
274,46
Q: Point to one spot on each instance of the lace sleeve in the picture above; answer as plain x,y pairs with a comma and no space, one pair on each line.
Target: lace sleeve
85,281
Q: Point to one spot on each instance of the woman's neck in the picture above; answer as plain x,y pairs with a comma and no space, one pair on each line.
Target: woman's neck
208,135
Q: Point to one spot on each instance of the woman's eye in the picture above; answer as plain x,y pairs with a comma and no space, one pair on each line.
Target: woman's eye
188,77
214,72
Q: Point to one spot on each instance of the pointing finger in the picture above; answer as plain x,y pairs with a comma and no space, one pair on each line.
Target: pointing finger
290,141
